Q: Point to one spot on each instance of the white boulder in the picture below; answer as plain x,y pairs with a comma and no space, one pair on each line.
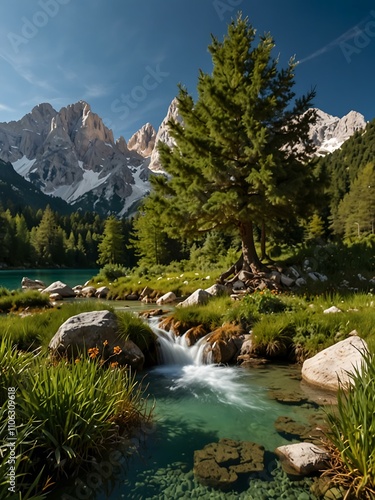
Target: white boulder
303,458
196,298
167,298
334,364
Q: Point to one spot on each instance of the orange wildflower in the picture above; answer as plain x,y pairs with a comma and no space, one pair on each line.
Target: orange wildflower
114,364
93,352
117,349
105,343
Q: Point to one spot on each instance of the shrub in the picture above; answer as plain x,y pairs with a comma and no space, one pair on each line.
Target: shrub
352,432
111,272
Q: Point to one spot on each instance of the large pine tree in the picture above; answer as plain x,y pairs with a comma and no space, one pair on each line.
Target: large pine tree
238,160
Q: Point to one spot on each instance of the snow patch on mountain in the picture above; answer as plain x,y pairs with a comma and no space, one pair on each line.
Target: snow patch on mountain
23,165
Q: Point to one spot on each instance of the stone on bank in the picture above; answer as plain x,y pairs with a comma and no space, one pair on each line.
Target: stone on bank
332,366
96,329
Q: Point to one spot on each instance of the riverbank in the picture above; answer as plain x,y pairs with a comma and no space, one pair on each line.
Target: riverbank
260,307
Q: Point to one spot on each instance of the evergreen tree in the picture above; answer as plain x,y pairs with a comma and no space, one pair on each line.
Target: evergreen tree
149,240
22,248
315,229
48,239
236,163
111,248
356,211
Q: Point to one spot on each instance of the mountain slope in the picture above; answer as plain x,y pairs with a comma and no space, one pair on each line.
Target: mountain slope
16,192
330,132
346,163
72,155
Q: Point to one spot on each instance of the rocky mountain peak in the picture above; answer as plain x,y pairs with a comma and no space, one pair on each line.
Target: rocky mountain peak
71,154
330,132
121,145
163,134
143,141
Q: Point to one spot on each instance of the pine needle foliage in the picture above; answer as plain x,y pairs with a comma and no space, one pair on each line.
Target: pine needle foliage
236,162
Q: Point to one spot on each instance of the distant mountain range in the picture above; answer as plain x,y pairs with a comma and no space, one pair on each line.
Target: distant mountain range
71,156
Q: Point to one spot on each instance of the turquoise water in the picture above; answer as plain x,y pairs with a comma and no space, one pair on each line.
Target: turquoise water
12,279
195,405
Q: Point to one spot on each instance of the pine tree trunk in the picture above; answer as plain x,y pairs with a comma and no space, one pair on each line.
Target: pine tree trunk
263,254
249,260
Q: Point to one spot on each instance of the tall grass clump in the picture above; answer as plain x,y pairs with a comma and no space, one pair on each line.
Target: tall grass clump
135,329
13,364
66,413
28,486
352,432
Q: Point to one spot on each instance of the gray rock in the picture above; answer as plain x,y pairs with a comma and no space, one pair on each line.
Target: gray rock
88,291
285,280
303,458
95,329
326,368
167,298
300,281
196,298
216,290
28,283
61,288
102,292
332,310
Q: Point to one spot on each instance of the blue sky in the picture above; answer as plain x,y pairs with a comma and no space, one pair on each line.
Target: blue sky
126,57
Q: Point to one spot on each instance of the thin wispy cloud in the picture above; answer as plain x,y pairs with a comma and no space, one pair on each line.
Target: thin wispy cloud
337,42
22,68
96,90
4,107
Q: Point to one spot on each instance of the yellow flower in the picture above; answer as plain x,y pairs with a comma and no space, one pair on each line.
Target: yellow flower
114,364
93,352
77,360
117,349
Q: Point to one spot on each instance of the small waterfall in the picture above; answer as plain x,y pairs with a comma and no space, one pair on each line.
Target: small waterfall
175,351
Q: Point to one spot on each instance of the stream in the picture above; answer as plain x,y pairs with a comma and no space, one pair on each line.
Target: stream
197,404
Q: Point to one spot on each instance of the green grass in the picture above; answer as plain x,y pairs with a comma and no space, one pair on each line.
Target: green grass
210,315
352,432
135,329
18,300
66,413
180,283
36,330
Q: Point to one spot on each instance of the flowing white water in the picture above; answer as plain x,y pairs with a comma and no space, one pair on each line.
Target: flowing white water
187,372
174,350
